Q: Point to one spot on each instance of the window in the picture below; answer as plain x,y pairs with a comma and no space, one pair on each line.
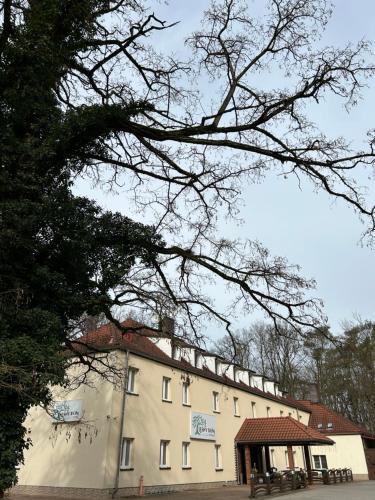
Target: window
330,425
289,414
215,401
186,456
281,413
166,389
218,462
126,453
253,409
320,461
268,411
236,407
130,386
164,454
320,426
185,394
272,458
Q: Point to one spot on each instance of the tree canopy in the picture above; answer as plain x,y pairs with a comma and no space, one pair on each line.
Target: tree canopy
84,92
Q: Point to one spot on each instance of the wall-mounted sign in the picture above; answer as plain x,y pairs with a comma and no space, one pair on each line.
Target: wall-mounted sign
203,426
67,411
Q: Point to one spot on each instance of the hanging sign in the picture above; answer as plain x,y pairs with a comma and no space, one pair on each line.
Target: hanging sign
67,411
203,426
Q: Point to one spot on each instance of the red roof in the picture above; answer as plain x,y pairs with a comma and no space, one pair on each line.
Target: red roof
279,431
134,337
329,422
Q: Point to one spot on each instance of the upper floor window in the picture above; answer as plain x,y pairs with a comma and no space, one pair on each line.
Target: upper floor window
126,453
281,413
166,389
268,411
185,394
215,401
236,407
131,381
253,409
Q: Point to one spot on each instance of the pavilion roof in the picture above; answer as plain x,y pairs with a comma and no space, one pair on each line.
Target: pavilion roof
279,431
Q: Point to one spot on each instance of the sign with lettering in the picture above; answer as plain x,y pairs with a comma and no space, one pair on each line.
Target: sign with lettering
67,411
203,426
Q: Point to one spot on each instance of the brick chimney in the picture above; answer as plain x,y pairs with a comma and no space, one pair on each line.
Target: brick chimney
167,326
313,393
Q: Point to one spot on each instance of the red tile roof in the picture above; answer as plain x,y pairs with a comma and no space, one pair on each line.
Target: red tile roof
279,431
134,338
321,416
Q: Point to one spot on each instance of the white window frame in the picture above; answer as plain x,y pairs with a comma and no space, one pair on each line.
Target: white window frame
127,447
185,394
164,454
218,457
215,402
131,380
236,407
272,457
166,389
319,457
186,455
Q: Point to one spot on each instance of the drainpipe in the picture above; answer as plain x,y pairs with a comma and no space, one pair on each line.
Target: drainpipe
122,416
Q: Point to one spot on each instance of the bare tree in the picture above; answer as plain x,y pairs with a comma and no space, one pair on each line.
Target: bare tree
185,167
278,354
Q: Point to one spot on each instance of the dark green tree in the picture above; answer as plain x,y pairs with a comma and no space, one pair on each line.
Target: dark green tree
83,92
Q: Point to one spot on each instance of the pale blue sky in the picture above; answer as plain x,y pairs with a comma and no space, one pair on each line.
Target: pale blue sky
308,228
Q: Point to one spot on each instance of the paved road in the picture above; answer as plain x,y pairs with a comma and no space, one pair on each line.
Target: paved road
362,490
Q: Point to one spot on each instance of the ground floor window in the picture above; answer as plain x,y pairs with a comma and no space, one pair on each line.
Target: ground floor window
126,453
320,461
218,460
164,454
185,455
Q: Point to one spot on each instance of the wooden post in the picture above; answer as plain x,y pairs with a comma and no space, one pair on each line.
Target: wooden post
252,488
308,462
290,457
141,490
268,482
248,463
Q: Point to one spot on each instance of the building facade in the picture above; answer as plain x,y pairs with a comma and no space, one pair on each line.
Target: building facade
170,426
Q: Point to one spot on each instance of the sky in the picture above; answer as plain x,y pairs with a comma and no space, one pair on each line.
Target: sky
310,229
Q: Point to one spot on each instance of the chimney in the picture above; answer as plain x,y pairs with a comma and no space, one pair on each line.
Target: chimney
167,326
313,393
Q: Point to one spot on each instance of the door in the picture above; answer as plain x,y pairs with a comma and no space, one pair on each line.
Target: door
370,459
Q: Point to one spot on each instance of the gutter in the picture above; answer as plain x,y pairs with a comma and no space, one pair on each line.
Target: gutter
122,418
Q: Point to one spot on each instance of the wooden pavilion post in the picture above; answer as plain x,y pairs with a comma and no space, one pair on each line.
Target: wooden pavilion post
308,462
248,463
268,458
290,457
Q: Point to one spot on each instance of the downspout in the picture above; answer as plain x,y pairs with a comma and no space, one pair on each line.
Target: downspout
122,417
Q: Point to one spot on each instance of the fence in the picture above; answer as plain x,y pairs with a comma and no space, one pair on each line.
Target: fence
268,484
292,480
